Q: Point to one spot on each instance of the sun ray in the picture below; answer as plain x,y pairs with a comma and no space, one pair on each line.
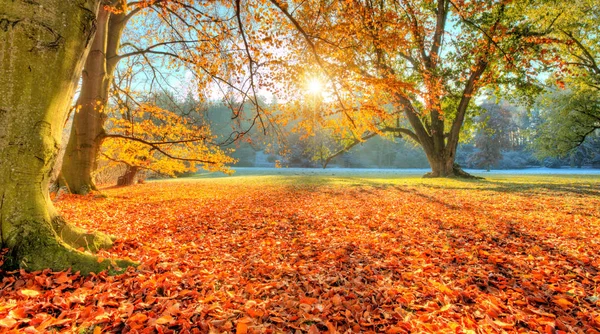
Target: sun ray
315,86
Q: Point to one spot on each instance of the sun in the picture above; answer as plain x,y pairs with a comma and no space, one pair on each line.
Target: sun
315,86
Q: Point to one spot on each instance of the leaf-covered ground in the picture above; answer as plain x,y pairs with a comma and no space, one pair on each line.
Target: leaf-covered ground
317,255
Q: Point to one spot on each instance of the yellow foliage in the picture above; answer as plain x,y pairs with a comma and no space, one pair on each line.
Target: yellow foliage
162,141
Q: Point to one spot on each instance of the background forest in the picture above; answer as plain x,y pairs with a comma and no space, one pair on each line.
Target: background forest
478,85
502,135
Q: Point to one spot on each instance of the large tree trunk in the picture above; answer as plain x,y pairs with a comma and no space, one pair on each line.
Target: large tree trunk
443,163
128,178
439,147
42,45
87,133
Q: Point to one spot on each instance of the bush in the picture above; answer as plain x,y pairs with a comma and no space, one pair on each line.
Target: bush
552,163
514,160
463,154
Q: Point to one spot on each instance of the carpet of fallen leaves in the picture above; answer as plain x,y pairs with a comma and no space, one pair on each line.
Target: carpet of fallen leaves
253,255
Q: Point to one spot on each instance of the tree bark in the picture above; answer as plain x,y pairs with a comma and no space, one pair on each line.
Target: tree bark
128,178
441,164
441,153
42,47
87,133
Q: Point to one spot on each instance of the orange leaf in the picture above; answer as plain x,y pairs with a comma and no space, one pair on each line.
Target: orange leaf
331,327
308,300
254,313
241,328
63,277
336,300
17,313
138,317
313,330
563,303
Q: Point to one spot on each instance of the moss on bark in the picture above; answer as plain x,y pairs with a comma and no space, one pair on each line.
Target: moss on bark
79,238
37,248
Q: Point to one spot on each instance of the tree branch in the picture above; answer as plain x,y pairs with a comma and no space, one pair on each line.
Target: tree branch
318,59
405,131
348,147
156,146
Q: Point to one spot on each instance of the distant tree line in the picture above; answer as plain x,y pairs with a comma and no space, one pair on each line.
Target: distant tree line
502,135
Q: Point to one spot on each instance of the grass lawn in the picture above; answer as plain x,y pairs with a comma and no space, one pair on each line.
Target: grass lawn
326,253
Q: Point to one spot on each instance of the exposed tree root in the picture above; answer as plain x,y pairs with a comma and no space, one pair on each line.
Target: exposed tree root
77,237
38,253
60,185
40,245
457,173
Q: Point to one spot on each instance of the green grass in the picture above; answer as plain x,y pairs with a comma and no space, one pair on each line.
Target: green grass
584,184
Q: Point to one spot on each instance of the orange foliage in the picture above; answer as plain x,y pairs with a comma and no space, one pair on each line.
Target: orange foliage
254,257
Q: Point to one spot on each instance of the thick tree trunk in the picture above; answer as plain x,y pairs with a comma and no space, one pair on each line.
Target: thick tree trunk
441,165
128,178
42,45
87,133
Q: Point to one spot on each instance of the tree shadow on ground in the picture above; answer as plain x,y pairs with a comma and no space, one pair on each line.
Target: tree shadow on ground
578,188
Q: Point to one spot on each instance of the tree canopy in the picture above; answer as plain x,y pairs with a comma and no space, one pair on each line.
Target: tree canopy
410,67
572,104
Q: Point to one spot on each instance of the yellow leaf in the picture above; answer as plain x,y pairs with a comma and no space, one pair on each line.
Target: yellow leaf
7,322
165,319
30,293
446,307
503,324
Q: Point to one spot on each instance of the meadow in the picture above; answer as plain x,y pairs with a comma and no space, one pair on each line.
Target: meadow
328,254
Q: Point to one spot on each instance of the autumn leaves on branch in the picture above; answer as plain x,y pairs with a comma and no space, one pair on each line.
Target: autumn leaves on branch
406,69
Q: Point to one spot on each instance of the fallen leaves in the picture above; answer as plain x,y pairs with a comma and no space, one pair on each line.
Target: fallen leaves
29,293
259,256
7,322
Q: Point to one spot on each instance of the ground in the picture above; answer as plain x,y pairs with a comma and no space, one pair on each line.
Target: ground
327,253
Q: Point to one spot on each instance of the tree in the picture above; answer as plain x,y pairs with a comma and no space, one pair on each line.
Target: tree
42,48
170,34
569,117
492,136
411,67
87,130
571,107
155,139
